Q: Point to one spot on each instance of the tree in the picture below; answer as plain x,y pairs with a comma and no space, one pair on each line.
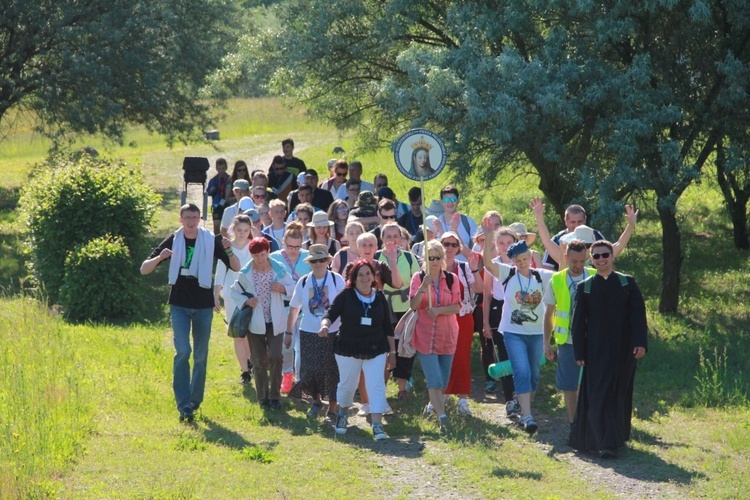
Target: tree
733,176
96,65
601,98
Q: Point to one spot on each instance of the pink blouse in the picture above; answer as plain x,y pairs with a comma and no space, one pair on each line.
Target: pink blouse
438,335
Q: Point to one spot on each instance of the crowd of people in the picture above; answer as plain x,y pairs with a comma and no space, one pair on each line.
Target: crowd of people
331,266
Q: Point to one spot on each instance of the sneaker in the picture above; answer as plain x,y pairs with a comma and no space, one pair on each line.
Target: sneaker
364,410
274,404
341,423
245,378
528,424
463,407
491,387
428,410
287,382
378,432
512,409
314,410
445,423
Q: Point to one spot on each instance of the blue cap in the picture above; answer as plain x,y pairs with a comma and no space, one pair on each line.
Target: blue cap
517,249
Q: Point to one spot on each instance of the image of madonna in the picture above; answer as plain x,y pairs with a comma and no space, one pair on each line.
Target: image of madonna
420,163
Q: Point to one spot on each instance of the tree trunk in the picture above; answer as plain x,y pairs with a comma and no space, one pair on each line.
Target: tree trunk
671,258
736,195
737,212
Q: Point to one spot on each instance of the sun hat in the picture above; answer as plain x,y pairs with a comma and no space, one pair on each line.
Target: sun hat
520,229
320,219
480,232
243,184
429,221
245,203
582,232
435,208
517,249
253,214
450,234
317,252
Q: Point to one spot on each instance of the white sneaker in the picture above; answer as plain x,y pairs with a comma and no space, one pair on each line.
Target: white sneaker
378,432
428,410
364,410
463,407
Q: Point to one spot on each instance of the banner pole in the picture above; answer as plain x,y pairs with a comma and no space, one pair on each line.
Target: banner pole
424,233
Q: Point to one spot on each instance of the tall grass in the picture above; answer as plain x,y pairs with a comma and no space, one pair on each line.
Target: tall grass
45,407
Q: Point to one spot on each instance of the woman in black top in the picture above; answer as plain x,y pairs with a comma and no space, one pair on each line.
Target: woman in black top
364,343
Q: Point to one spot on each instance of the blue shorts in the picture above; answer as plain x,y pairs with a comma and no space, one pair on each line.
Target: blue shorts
436,368
568,372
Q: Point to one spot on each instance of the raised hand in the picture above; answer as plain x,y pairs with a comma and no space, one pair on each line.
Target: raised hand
631,214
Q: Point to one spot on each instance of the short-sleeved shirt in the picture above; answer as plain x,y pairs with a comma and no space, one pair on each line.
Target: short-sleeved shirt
304,292
523,308
186,292
551,300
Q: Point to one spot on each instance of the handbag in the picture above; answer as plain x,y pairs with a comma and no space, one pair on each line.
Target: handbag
239,323
405,329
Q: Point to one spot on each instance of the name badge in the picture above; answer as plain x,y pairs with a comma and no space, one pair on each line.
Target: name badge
365,321
185,272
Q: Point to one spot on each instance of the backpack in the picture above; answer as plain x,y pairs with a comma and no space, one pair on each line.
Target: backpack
587,283
408,255
512,273
448,278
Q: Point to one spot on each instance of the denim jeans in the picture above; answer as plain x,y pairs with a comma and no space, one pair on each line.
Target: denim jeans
188,391
436,368
525,353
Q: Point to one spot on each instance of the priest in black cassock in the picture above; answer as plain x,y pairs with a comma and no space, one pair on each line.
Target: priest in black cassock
609,334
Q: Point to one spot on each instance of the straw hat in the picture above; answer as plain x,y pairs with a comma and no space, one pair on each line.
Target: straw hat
317,252
520,229
582,232
320,219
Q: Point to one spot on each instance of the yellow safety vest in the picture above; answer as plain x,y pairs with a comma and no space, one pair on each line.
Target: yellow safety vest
560,288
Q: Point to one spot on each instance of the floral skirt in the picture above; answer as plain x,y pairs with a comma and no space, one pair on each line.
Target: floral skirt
319,373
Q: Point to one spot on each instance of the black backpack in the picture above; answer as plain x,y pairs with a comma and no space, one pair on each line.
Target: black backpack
512,273
448,278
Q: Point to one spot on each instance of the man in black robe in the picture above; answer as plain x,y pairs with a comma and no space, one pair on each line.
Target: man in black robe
609,334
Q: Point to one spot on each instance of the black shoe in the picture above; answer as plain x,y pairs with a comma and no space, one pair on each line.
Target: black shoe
245,378
275,404
265,403
187,415
607,453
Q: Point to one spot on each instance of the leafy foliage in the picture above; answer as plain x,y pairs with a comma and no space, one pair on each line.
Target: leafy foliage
73,199
96,65
603,100
99,281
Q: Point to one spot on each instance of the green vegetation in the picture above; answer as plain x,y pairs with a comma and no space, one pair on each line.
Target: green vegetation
115,432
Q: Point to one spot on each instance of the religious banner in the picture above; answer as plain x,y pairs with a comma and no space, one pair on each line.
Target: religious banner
420,154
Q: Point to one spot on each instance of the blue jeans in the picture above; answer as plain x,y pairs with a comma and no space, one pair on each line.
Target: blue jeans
188,391
525,353
436,368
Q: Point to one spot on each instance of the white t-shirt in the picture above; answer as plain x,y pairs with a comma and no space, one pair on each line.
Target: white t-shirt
549,295
523,309
304,294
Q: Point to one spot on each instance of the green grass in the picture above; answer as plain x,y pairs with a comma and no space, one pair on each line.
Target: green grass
115,434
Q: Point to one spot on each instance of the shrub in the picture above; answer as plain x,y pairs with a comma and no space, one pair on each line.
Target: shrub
74,198
100,281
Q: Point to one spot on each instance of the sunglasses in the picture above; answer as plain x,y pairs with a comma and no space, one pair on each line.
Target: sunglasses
451,245
603,255
261,195
340,174
450,199
317,261
388,217
433,258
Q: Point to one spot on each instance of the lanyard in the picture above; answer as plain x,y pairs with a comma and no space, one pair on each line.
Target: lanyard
291,266
437,292
520,285
365,301
318,290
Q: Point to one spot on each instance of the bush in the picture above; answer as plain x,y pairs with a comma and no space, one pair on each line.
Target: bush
74,198
100,281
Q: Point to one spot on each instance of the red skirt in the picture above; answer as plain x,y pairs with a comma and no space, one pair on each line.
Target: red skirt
460,381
